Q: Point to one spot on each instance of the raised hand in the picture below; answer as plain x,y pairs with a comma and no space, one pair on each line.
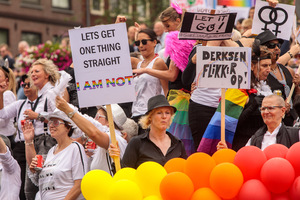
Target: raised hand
28,131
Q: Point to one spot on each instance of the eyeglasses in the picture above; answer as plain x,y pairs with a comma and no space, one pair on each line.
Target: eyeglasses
25,84
271,45
55,122
144,42
269,108
99,116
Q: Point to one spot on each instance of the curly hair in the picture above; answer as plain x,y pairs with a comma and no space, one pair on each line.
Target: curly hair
49,68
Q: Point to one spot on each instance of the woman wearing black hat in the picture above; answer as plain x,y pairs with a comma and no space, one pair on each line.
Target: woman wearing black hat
281,77
157,144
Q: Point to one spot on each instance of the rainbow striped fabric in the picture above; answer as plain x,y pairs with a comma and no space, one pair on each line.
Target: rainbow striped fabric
235,100
237,3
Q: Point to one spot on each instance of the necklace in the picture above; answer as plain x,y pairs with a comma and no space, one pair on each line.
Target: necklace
151,59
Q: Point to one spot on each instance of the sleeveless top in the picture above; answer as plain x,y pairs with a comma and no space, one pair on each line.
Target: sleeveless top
146,86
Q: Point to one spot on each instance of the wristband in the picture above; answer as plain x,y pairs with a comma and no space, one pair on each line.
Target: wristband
291,55
29,143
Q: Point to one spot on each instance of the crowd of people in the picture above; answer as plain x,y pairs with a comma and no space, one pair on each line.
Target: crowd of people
167,119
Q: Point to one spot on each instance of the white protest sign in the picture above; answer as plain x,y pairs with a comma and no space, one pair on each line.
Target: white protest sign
279,20
102,65
202,26
223,67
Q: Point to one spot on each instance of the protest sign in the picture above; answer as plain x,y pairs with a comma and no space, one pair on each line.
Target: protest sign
102,65
203,26
223,67
193,5
279,20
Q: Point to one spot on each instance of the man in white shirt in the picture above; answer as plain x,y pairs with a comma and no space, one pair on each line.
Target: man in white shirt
11,172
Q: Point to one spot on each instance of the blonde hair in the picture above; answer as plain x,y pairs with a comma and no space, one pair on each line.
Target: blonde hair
11,79
145,121
49,68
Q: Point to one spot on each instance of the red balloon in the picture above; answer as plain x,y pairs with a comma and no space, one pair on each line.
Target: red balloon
276,150
250,159
282,196
293,157
295,189
176,186
254,189
278,175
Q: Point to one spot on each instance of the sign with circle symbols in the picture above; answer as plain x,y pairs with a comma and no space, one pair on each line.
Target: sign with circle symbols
279,20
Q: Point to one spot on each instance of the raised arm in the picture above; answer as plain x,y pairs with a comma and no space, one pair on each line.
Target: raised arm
28,131
99,137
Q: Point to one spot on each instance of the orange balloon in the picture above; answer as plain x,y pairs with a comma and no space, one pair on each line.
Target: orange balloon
176,186
226,180
198,167
224,155
205,193
175,165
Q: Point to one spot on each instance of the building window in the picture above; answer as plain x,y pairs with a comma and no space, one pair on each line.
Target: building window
32,38
61,4
97,7
120,7
4,36
32,1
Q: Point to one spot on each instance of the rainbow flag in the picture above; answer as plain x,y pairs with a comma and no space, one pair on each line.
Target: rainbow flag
237,3
235,100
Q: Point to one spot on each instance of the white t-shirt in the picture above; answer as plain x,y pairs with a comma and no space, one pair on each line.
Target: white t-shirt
7,127
207,96
61,170
101,159
10,178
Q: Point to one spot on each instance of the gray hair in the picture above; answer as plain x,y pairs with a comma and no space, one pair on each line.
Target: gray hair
279,100
131,128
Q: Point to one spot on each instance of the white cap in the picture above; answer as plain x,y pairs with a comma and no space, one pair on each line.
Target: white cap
118,113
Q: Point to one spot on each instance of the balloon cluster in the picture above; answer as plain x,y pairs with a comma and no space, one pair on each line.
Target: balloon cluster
244,175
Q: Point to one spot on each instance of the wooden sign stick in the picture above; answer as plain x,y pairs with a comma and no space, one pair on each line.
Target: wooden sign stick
113,135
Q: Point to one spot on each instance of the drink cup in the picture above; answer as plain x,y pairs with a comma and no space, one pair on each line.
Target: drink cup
90,146
40,161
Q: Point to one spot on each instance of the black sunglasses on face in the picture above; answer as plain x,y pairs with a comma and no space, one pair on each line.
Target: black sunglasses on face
25,84
271,45
144,42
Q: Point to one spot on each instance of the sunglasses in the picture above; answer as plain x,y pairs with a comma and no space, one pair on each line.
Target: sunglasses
144,42
55,122
271,45
25,84
269,108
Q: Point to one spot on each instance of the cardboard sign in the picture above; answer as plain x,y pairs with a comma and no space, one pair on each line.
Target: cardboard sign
223,67
102,65
279,20
203,26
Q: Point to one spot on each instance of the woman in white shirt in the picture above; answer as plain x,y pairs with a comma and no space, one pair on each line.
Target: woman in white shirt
66,162
7,96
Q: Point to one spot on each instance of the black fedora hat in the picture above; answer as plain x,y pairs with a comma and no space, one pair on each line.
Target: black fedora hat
158,102
267,36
